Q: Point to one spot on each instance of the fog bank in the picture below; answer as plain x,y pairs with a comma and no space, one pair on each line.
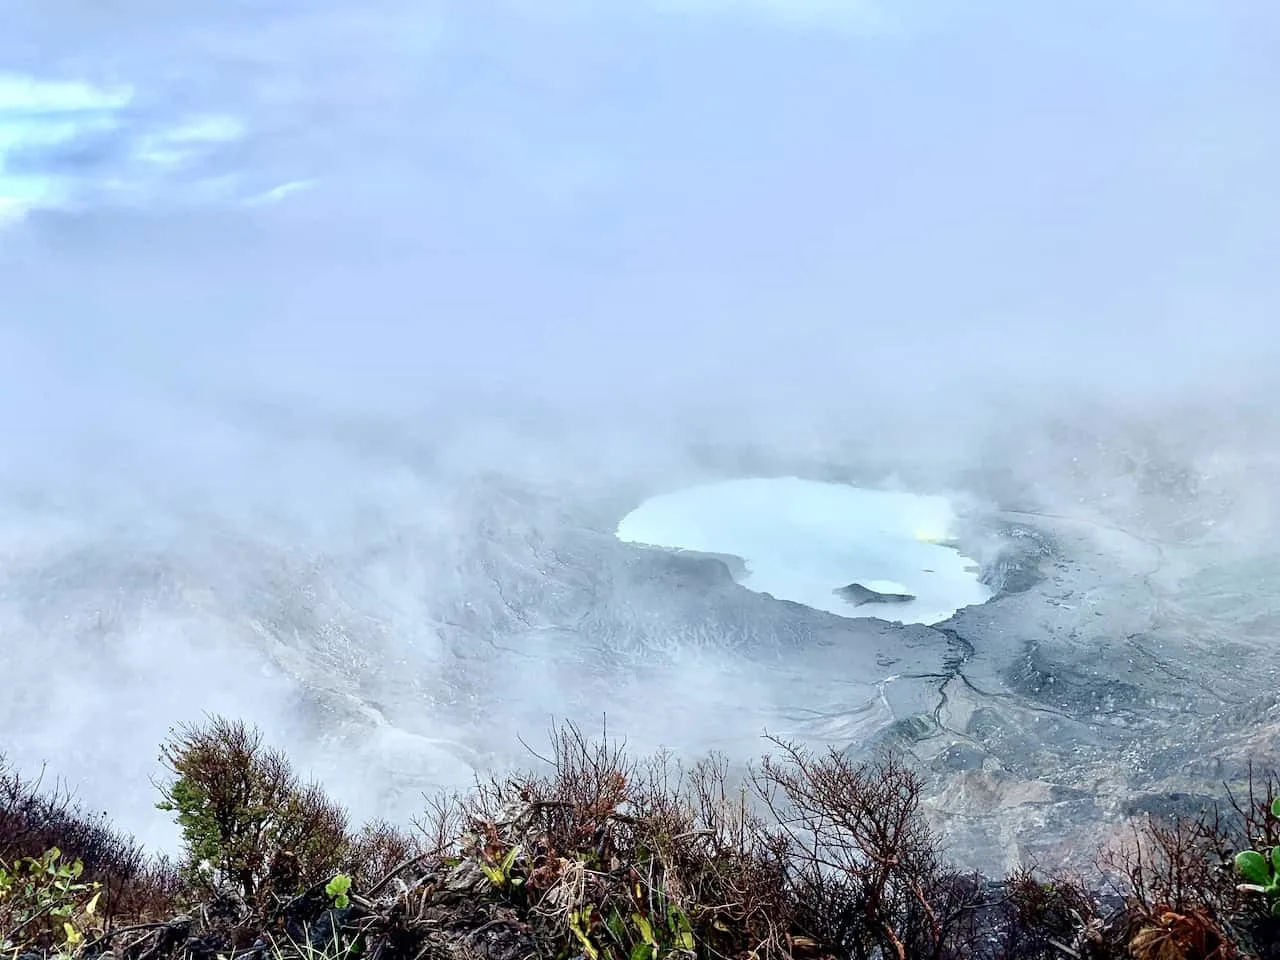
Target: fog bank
330,424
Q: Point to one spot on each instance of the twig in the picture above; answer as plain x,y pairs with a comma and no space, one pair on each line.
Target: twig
298,898
497,922
27,922
153,950
109,934
377,887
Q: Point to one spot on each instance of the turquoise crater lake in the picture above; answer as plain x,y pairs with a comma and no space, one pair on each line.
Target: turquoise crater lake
850,551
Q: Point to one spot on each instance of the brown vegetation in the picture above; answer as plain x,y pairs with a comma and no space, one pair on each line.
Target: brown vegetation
35,817
603,856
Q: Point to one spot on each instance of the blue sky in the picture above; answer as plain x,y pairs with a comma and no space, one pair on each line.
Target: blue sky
751,195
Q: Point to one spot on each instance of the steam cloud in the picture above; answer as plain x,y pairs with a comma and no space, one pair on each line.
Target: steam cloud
347,461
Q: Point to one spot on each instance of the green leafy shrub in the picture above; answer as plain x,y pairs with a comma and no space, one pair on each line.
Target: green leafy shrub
36,817
45,903
247,821
1261,868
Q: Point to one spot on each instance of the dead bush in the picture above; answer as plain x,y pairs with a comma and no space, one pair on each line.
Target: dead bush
1176,877
1035,918
1259,827
36,817
1179,863
734,867
588,786
441,825
861,858
248,823
380,850
614,858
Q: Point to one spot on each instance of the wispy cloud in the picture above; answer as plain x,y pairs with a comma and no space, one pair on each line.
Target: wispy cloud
860,15
72,144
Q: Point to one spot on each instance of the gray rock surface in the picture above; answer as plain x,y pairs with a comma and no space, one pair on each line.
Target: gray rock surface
858,595
1128,662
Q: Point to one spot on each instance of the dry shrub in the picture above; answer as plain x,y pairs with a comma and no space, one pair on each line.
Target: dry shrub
1039,919
1182,863
734,867
1175,874
249,825
381,850
440,827
151,893
810,855
862,858
591,782
35,818
1259,827
1173,935
627,857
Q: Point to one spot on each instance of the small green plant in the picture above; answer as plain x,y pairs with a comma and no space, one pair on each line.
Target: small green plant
499,873
580,926
334,948
643,940
43,901
338,890
1261,868
634,934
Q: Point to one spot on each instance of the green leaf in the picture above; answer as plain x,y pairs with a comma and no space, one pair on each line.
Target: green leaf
500,875
580,924
1275,859
1275,807
509,859
1253,867
642,951
337,889
617,927
681,930
645,928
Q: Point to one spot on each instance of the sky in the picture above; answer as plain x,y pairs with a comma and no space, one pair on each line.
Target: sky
767,197
276,251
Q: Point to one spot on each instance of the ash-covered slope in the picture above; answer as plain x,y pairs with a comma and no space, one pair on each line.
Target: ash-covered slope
407,618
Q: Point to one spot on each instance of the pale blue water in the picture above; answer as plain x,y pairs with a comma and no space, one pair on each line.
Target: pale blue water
801,540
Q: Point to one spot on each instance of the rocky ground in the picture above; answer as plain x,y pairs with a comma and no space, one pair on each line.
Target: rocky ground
421,632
